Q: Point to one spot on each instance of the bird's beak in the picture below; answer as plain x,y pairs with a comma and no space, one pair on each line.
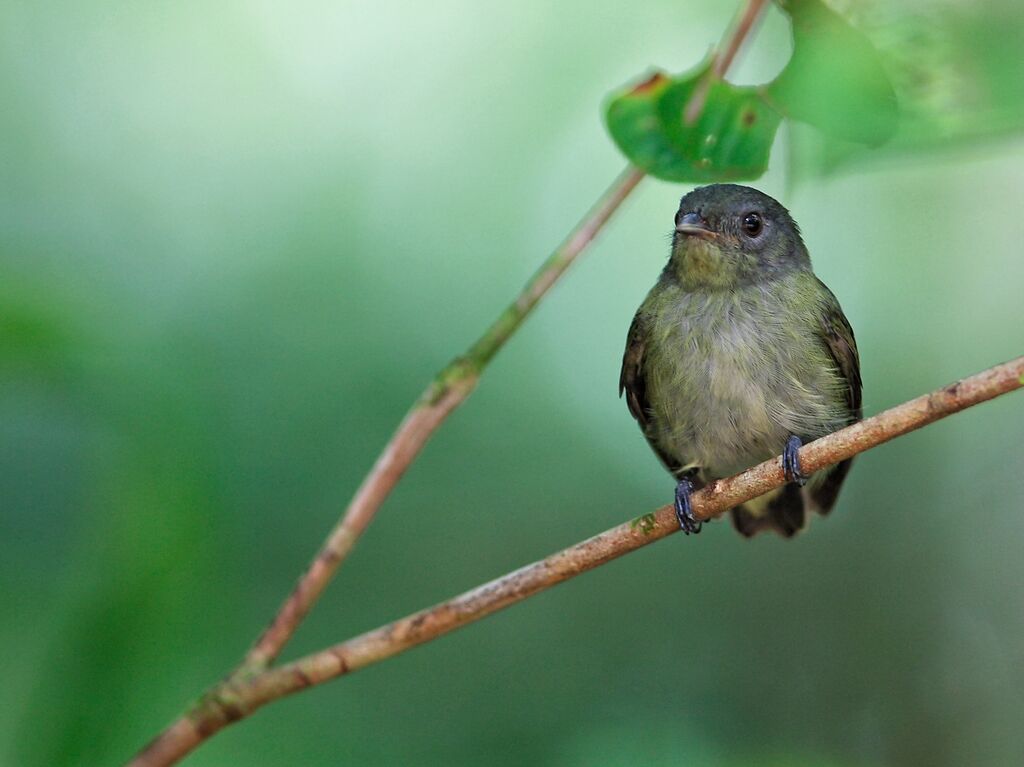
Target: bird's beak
694,224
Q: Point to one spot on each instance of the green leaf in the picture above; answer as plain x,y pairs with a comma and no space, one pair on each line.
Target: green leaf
38,334
958,77
834,80
731,139
635,127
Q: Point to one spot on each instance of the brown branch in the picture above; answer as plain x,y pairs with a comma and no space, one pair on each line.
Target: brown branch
446,392
450,388
740,32
239,698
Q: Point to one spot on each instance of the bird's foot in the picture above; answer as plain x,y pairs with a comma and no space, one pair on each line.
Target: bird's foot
791,461
684,511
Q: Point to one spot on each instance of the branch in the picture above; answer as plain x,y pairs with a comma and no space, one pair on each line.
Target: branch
455,383
239,698
445,393
723,59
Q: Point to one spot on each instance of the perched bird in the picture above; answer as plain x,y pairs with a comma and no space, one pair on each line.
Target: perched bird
739,353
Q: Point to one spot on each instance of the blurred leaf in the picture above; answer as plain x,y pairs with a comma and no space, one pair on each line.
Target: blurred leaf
730,140
140,598
958,77
958,73
26,335
835,80
32,335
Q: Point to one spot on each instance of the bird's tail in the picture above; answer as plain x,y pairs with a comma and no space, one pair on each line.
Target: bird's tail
785,511
821,496
781,511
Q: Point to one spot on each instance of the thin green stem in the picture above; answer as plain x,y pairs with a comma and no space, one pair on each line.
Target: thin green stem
447,391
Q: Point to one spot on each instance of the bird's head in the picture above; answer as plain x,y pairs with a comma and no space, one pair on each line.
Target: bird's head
728,235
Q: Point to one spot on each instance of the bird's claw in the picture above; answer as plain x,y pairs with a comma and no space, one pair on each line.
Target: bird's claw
684,511
791,461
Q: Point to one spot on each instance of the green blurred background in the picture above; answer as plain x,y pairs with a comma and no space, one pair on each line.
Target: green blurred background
236,241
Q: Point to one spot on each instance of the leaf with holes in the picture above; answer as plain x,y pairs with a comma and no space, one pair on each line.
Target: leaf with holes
729,141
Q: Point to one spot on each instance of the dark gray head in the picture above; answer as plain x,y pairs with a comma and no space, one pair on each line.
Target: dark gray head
729,235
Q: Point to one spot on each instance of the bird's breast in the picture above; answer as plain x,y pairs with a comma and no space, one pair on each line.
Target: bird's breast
735,377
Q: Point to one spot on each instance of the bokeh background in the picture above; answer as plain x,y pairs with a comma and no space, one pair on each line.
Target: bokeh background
236,241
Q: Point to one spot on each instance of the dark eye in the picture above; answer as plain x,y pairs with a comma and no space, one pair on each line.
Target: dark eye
752,224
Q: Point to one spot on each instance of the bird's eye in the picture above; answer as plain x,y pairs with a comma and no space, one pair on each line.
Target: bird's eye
752,224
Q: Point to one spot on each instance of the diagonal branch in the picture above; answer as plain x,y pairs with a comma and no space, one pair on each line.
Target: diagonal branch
238,698
455,383
445,393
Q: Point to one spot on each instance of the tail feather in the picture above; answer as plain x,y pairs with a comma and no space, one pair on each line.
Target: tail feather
747,523
783,513
821,496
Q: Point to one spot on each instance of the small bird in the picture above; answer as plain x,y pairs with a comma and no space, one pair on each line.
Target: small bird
739,353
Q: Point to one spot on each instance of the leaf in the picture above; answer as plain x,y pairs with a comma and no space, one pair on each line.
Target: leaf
958,74
835,79
26,335
634,124
38,334
958,78
731,139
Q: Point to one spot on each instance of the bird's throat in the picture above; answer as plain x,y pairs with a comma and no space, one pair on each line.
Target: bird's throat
703,264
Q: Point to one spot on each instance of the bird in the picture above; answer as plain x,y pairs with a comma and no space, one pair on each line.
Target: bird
740,353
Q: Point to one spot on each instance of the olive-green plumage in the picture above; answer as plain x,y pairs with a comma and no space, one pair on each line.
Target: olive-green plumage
738,348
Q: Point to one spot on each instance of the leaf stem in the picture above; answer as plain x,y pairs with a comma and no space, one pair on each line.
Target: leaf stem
726,54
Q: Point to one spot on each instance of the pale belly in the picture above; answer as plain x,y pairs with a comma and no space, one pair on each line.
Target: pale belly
736,385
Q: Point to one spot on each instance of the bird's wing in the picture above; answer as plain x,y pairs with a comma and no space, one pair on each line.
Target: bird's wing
837,336
841,345
633,384
631,380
